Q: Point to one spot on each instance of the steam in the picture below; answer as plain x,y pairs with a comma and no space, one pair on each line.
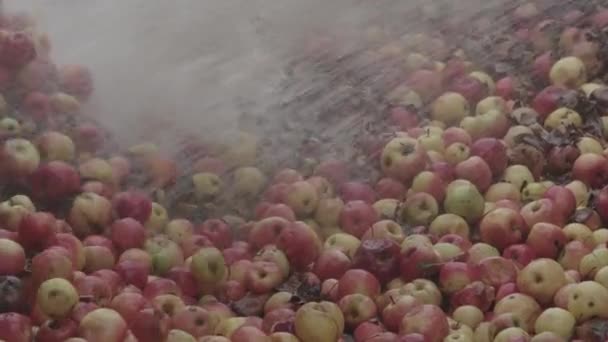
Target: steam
168,68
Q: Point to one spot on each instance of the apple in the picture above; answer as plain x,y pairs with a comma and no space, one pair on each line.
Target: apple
523,307
331,263
280,210
445,224
194,320
493,152
541,279
15,327
593,261
164,252
90,213
476,293
403,158
208,266
13,255
470,87
13,209
302,198
417,261
103,325
319,321
454,275
496,271
420,209
379,256
263,276
357,191
178,230
428,320
19,157
57,330
477,166
546,239
357,308
587,300
590,168
541,211
502,227
96,289
389,188
503,191
98,258
56,297
127,233
469,315
133,272
463,199
267,231
300,244
572,254
358,281
356,217
563,199
127,304
385,229
556,320
429,182
274,319
150,324
424,290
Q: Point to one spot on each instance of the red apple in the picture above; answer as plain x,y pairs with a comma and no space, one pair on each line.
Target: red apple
57,330
356,217
217,231
267,231
542,210
300,244
15,327
454,276
418,261
54,180
76,80
127,304
94,289
378,256
502,227
591,169
132,204
357,191
496,271
36,230
563,199
428,320
331,263
358,281
469,87
194,320
185,280
476,170
13,257
127,233
493,152
477,294
520,254
546,239
150,325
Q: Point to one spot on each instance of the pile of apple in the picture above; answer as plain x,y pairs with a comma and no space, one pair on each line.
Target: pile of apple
487,221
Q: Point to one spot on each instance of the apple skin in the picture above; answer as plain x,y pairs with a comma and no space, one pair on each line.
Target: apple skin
563,199
389,188
15,327
263,276
463,199
13,256
36,229
127,304
520,254
497,271
357,191
331,263
523,307
356,217
402,159
541,279
208,266
601,203
267,231
428,320
476,293
418,261
300,244
57,330
477,171
319,321
493,152
358,281
454,275
591,169
103,325
150,324
127,233
378,256
132,204
430,183
546,239
502,227
277,316
90,213
542,210
218,232
357,308
367,330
